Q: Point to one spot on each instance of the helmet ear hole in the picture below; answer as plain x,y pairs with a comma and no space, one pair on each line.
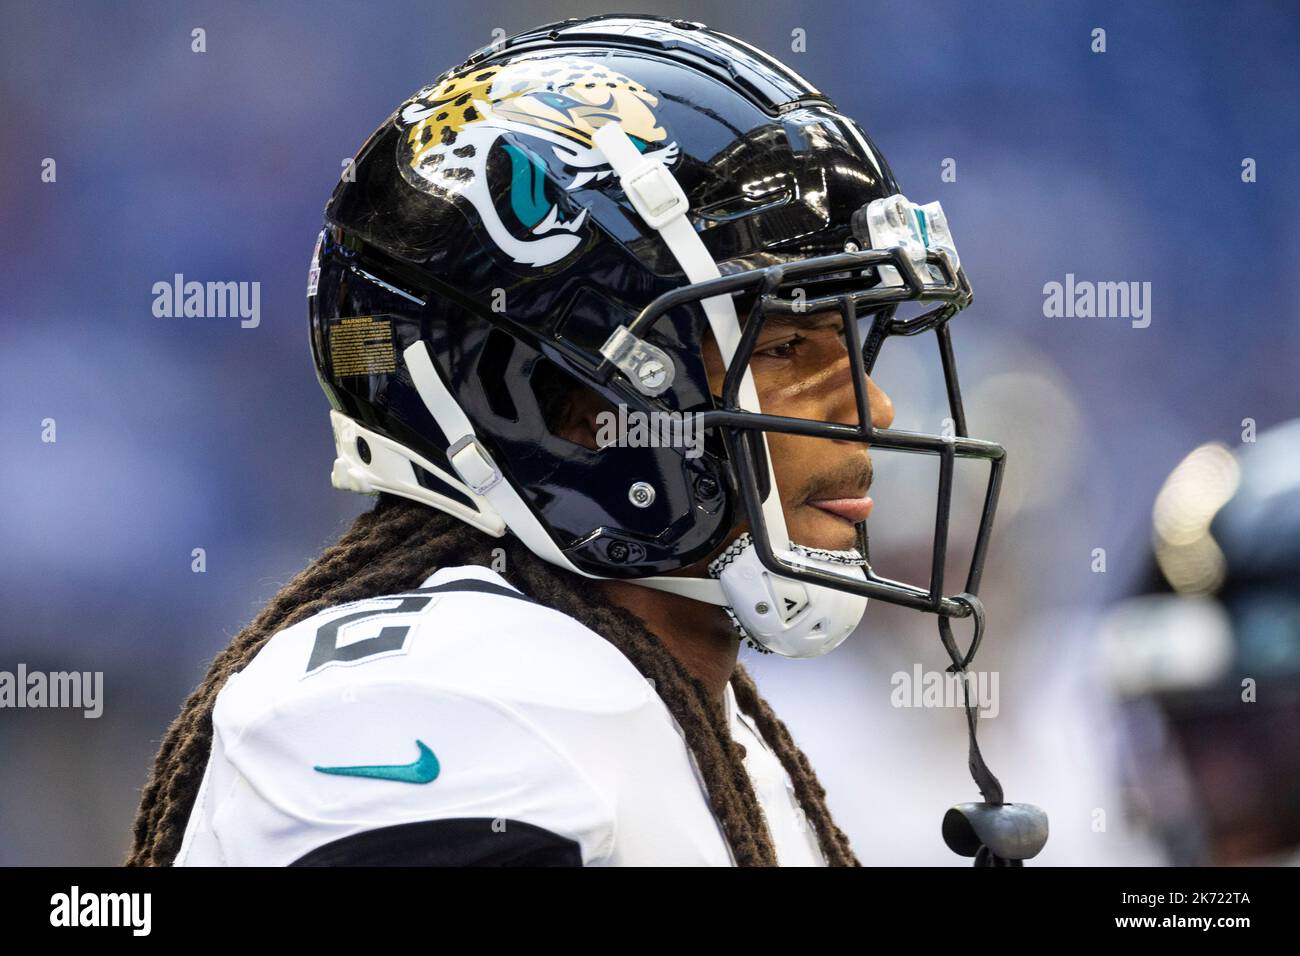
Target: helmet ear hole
570,409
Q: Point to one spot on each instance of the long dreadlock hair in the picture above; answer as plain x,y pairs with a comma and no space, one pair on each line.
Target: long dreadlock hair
395,547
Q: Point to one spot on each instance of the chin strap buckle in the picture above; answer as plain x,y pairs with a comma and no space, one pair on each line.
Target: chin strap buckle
994,832
473,464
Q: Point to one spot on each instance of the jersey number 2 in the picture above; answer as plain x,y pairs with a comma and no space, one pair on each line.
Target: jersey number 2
326,649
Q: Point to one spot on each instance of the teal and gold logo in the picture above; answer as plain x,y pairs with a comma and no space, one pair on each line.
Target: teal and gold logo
540,112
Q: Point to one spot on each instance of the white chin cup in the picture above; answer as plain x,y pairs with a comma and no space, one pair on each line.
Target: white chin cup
786,616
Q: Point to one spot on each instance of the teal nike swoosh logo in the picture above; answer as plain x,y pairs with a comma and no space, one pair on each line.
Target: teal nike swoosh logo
423,770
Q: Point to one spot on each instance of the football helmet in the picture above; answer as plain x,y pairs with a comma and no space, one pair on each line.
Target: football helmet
580,207
577,206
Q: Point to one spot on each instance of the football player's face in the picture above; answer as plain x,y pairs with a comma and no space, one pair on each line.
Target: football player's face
801,370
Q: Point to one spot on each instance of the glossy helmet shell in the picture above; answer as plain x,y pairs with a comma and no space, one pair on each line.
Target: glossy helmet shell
480,219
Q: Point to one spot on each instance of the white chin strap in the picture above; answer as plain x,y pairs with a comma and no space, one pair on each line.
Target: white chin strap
778,613
786,616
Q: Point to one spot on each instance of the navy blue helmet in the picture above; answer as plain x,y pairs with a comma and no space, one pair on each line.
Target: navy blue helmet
577,207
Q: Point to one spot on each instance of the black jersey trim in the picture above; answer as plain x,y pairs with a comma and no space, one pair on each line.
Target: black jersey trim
471,585
463,841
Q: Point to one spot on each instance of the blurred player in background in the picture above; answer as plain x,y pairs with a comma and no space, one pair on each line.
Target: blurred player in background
1207,659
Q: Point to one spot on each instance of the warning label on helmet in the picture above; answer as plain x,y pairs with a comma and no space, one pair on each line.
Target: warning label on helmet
362,345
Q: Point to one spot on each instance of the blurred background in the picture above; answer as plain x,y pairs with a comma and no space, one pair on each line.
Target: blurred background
1120,681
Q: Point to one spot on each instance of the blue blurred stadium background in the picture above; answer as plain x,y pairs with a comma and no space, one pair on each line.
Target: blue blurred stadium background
174,434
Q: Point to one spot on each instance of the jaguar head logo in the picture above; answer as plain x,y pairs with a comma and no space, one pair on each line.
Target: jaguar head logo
534,118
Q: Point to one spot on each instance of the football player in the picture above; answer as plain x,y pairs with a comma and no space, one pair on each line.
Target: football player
595,312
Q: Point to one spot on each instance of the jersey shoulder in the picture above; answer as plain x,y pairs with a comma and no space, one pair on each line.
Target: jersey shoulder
459,707
464,630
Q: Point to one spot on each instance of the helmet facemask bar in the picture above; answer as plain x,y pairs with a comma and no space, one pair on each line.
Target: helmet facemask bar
737,425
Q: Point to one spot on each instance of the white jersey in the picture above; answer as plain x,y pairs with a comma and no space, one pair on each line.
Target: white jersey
462,723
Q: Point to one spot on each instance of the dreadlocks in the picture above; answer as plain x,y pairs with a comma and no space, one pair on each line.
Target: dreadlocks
396,546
